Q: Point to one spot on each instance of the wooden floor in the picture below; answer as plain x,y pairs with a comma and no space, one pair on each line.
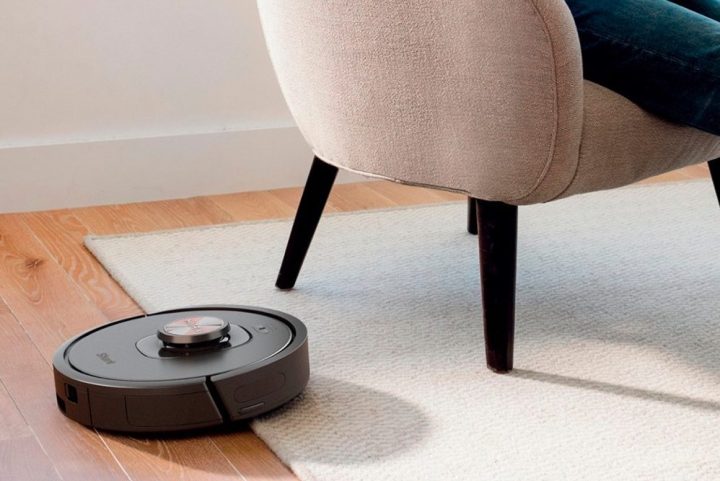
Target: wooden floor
52,288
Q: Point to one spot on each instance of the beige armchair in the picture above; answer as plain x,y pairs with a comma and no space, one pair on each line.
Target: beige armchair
483,97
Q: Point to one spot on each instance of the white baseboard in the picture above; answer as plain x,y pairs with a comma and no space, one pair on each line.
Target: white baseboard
133,170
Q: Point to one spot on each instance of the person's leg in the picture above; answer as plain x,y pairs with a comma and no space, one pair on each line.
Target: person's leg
660,55
709,8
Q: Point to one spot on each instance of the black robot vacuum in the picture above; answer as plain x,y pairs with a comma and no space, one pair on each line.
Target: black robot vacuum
182,369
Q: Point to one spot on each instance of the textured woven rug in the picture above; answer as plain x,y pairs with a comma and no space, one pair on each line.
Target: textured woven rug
617,345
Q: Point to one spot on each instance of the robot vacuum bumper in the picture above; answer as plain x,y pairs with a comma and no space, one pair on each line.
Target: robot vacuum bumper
182,369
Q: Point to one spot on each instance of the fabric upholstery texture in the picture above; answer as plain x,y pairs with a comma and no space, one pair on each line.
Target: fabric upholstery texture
622,143
484,97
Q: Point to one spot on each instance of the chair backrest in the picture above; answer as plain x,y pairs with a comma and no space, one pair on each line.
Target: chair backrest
469,95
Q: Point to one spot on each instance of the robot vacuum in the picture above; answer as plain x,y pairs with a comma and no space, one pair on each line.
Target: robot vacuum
182,369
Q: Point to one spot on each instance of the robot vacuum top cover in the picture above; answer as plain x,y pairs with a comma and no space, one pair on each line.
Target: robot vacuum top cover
182,369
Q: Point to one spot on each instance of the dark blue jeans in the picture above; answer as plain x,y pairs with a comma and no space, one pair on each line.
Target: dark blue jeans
663,55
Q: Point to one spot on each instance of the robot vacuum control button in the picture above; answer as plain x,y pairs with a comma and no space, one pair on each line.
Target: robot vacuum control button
193,330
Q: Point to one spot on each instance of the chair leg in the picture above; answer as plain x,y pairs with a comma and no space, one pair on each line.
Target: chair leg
715,174
472,223
315,195
498,258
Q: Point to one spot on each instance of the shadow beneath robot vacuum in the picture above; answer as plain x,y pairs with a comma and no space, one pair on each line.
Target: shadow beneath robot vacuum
333,421
340,422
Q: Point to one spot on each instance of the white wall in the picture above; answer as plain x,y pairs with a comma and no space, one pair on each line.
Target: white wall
125,100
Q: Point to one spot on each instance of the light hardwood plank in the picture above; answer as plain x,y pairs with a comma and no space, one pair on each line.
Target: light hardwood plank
76,452
62,234
49,306
149,216
257,461
693,172
698,171
358,196
255,205
12,423
23,459
198,211
291,196
21,456
191,458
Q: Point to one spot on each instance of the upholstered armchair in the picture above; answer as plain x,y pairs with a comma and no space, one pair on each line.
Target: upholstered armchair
482,97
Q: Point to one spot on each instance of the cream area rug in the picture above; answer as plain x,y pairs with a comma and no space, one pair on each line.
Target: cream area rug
617,344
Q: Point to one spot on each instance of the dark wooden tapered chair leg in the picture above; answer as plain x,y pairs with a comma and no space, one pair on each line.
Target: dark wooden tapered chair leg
472,223
715,174
317,189
497,237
